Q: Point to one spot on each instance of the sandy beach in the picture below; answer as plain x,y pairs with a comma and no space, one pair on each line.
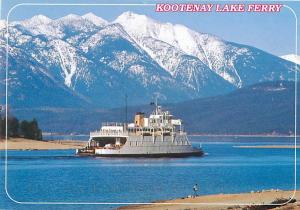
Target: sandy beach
27,144
268,146
209,202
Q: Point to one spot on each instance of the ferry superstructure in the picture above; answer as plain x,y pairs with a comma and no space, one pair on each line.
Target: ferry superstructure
159,135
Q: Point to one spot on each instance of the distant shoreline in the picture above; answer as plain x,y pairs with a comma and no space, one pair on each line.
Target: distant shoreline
221,201
29,144
244,135
194,134
267,147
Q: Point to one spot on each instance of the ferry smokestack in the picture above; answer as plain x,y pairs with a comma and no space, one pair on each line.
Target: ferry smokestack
139,119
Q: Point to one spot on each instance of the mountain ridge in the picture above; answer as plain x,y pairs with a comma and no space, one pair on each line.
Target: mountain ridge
103,61
265,109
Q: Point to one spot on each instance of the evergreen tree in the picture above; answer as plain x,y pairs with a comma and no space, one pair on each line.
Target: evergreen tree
2,127
13,127
35,132
24,129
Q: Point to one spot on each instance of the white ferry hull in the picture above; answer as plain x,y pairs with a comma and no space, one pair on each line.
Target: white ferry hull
153,155
151,147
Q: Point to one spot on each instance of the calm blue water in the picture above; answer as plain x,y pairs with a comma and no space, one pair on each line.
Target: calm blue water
66,137
59,176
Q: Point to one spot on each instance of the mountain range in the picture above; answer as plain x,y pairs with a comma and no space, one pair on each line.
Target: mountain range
86,61
264,108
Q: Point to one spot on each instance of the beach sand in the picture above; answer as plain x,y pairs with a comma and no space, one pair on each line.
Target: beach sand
27,144
234,201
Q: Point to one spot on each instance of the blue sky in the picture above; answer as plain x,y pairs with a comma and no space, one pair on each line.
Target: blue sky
272,32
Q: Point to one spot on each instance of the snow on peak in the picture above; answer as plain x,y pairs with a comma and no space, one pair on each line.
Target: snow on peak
292,57
98,21
132,21
2,24
36,20
125,16
113,30
211,50
76,22
177,35
69,18
39,24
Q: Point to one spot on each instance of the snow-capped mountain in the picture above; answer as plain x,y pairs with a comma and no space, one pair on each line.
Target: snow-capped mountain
94,62
292,57
98,21
229,60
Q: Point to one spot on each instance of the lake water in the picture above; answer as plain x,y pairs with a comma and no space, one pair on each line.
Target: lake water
66,137
59,176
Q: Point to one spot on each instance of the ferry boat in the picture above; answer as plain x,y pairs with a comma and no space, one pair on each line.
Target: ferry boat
158,135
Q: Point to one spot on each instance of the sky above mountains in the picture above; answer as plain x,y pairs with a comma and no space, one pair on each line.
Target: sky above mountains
274,33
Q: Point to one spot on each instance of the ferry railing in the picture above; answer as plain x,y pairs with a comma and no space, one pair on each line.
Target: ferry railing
134,131
108,133
112,124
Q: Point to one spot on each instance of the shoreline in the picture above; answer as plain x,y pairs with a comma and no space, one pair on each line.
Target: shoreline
268,147
221,201
197,134
245,135
29,144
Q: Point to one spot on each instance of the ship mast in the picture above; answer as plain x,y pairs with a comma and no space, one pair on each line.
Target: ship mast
156,106
126,110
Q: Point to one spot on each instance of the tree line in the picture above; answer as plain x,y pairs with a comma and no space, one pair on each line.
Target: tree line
24,129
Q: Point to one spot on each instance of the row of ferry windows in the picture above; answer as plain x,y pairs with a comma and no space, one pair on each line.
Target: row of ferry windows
138,143
157,121
146,129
